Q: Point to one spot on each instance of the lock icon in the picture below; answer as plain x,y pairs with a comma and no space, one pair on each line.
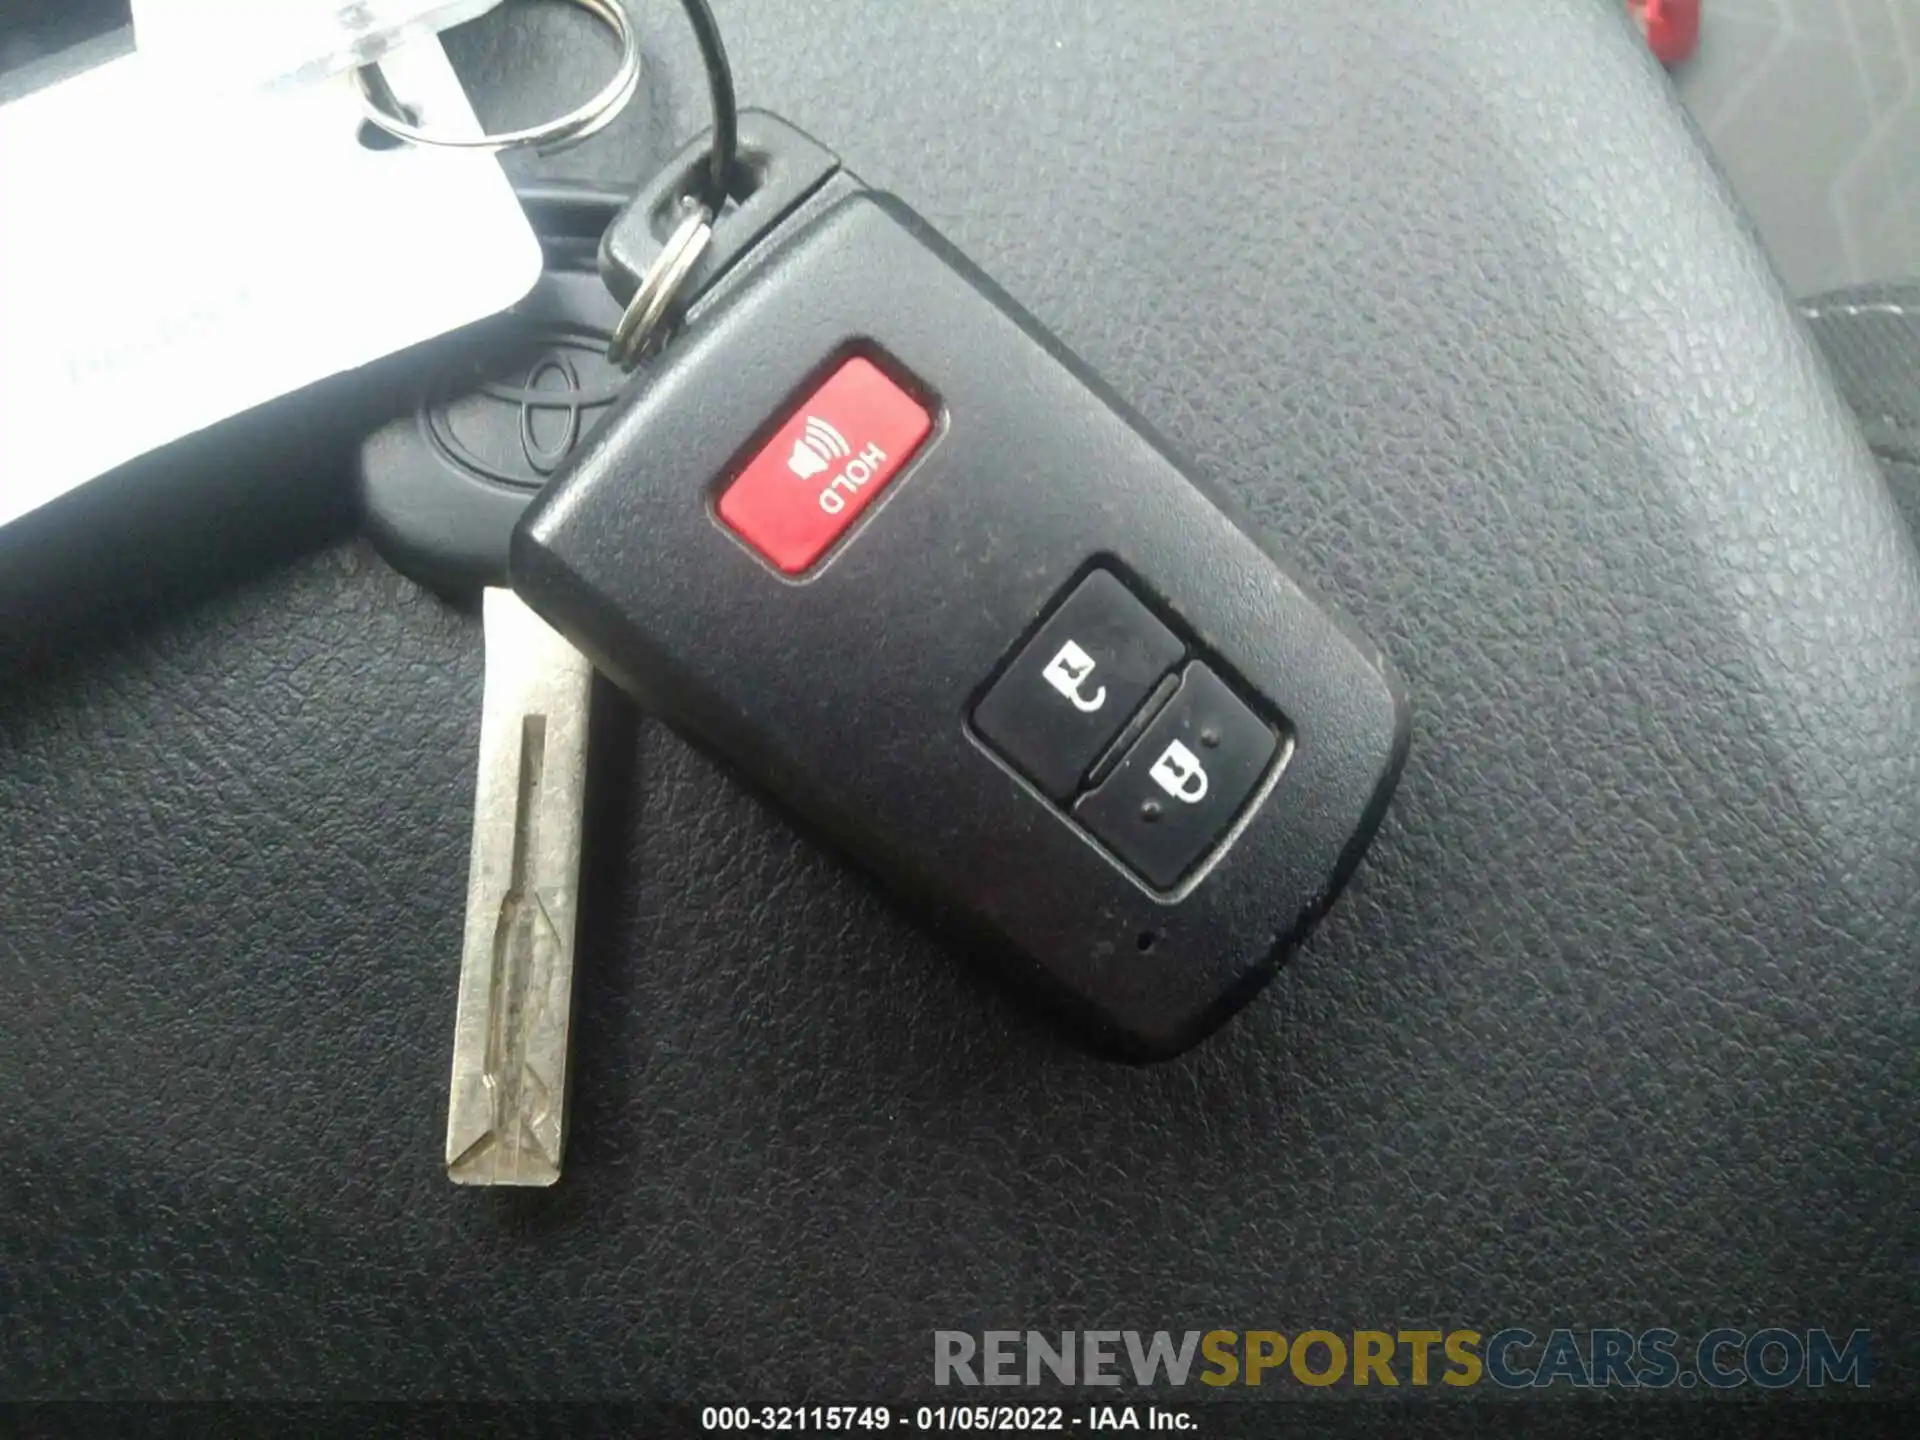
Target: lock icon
1179,772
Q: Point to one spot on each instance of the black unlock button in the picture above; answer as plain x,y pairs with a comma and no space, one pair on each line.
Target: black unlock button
1075,685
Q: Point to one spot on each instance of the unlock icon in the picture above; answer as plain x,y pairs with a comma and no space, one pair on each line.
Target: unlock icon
1067,671
1178,772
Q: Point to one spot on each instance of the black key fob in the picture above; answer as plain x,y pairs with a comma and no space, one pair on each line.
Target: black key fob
869,533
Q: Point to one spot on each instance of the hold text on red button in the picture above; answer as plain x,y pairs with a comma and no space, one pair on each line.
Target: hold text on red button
833,457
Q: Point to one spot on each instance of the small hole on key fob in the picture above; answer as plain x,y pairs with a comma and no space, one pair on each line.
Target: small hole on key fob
748,175
372,137
1146,941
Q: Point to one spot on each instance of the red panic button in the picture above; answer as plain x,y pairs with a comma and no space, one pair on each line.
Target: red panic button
829,462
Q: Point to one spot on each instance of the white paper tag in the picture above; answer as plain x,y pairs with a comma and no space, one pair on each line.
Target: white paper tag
256,42
174,256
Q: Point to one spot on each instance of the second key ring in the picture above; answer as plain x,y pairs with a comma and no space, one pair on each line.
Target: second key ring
576,125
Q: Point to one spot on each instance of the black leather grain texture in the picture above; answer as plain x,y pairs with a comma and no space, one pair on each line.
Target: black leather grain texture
1615,1025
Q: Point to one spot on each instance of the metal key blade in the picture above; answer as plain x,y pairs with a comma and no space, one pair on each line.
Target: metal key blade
507,1112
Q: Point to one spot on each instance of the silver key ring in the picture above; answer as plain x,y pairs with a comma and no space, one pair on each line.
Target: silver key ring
652,302
574,126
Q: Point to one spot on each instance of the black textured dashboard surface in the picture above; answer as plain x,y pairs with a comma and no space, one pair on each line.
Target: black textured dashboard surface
1615,1025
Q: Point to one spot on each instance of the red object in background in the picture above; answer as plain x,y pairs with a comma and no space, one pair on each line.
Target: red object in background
1672,27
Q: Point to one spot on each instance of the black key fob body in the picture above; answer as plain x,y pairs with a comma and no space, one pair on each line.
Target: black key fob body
870,534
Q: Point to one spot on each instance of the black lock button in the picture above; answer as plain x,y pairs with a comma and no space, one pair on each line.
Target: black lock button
1183,782
1075,685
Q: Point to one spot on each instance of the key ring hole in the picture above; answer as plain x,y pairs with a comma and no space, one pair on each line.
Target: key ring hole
749,174
1146,940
